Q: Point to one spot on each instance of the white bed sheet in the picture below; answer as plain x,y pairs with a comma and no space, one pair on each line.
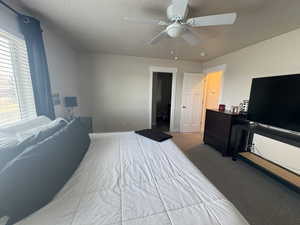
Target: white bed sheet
126,179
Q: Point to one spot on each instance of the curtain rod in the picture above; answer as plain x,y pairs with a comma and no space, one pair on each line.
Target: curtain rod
10,8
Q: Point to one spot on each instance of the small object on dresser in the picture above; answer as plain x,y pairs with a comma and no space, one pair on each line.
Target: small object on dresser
235,109
244,106
222,107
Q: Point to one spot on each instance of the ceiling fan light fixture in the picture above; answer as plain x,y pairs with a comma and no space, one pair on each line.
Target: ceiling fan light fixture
180,25
175,30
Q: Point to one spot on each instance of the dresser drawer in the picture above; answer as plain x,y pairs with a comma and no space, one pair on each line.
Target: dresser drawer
216,143
218,124
217,131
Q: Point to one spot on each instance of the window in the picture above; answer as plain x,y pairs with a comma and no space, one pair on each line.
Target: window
16,93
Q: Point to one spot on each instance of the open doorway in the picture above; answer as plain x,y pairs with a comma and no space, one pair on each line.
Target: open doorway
212,92
161,100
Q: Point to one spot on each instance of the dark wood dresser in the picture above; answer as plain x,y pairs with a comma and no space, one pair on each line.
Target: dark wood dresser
218,129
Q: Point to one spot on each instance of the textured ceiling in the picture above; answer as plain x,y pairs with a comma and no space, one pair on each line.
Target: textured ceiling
98,26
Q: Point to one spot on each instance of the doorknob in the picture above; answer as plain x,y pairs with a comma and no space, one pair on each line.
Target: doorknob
184,107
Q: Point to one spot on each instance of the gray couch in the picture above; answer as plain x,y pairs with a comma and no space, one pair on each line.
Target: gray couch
38,167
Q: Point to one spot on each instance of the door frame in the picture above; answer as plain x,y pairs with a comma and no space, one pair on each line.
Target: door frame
173,71
187,74
206,71
214,69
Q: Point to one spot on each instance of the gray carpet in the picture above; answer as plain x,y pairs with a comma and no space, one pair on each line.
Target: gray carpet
261,199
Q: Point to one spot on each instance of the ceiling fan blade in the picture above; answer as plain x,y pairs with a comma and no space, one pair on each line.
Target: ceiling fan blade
180,8
191,37
158,37
146,21
214,20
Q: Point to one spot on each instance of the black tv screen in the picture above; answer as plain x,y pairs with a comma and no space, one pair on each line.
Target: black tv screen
275,101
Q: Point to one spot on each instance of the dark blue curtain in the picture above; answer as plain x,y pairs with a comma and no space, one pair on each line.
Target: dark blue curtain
32,32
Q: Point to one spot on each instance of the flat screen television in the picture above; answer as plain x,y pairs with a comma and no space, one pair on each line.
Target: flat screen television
275,101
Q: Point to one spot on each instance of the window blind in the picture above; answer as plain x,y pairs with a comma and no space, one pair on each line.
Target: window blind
16,93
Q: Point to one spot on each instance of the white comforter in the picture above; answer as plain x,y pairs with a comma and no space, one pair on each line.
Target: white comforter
126,179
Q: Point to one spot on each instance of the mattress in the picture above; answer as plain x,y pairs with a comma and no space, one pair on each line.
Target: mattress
127,179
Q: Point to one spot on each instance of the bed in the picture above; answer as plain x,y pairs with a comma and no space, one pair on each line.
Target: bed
127,179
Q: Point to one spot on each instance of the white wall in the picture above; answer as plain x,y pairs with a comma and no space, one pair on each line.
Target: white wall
119,85
62,59
63,69
277,56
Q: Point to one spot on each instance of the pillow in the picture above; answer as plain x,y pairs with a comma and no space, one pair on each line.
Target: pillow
4,220
32,179
7,140
42,132
11,150
24,125
13,146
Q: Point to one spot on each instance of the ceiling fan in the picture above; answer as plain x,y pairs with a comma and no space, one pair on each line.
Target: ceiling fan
180,26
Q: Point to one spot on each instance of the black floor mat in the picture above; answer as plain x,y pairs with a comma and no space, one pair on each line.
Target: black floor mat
154,135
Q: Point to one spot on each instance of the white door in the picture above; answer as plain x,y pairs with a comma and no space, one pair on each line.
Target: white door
191,107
